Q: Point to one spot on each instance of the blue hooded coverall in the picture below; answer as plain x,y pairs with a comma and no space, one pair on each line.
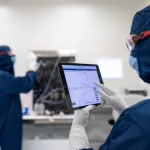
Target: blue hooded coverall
132,129
10,104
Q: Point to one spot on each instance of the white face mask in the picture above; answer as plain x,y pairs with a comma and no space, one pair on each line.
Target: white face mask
133,63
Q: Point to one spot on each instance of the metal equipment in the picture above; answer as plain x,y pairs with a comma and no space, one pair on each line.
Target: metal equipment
48,94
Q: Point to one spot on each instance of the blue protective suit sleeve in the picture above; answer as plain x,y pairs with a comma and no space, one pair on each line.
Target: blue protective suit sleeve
125,132
15,85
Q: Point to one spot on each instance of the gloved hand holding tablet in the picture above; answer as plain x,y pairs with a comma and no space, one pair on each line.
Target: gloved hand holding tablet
78,81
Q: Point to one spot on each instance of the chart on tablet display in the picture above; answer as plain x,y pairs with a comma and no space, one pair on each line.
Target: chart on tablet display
80,82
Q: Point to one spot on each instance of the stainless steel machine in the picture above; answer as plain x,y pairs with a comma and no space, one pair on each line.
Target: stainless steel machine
48,93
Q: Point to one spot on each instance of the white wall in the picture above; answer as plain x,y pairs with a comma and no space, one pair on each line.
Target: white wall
96,29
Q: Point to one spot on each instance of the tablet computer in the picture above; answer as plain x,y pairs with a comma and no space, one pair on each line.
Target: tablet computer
78,82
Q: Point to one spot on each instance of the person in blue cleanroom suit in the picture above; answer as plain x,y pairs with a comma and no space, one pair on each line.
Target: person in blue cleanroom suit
10,105
132,129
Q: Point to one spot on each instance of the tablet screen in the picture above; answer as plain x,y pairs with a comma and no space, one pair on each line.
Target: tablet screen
81,87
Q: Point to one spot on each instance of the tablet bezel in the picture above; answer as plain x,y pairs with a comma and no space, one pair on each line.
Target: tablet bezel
64,82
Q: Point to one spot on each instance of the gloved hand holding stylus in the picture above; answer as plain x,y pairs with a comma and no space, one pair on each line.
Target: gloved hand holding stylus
111,98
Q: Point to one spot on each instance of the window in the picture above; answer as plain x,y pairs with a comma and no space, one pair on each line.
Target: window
111,68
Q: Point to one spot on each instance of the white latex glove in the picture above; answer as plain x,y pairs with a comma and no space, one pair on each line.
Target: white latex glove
111,98
78,138
33,65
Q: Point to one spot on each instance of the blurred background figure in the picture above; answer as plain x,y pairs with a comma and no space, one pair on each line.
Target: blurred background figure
10,104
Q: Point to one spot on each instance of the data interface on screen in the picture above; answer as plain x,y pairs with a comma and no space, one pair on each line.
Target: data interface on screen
80,82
